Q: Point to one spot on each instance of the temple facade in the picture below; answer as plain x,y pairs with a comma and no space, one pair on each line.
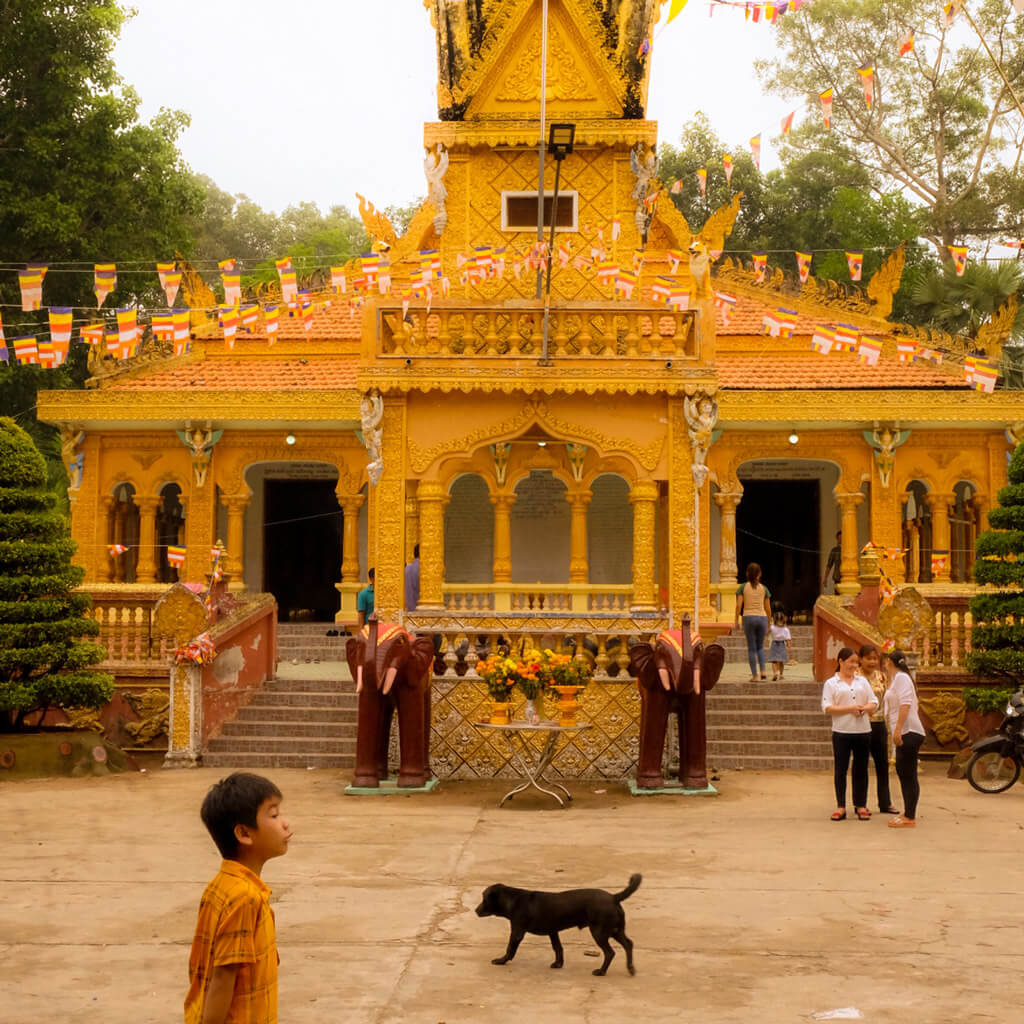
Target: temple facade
604,481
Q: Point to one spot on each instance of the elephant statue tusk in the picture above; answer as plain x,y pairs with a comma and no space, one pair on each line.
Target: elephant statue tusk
696,679
389,679
359,679
665,679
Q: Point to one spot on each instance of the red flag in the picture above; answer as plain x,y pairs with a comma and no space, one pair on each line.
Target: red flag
787,122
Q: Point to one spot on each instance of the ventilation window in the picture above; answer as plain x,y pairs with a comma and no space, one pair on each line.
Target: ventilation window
519,211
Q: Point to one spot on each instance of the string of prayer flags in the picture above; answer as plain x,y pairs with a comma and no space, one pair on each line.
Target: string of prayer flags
104,281
607,271
826,107
616,228
906,351
180,319
271,322
727,164
170,280
30,281
116,549
855,263
60,325
959,254
127,331
625,282
702,180
162,326
869,350
867,81
907,42
176,555
755,149
229,322
803,265
25,350
846,338
725,304
985,374
760,261
715,254
232,282
787,122
289,286
823,340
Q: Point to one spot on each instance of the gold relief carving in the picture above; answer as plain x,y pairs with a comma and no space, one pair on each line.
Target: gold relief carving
378,226
907,619
431,498
388,516
444,621
681,525
995,332
885,281
147,459
84,718
565,82
946,711
180,737
153,708
643,497
180,615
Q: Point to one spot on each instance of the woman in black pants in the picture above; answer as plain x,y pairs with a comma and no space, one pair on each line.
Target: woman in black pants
847,699
907,732
871,670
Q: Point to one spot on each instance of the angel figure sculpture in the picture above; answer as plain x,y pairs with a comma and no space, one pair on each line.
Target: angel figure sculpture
371,410
701,413
645,168
435,166
70,438
883,442
199,441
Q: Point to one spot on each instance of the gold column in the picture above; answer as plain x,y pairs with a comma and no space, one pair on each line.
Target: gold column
412,522
727,501
107,530
234,558
502,537
980,505
120,536
145,571
643,497
350,504
579,568
939,505
432,499
849,567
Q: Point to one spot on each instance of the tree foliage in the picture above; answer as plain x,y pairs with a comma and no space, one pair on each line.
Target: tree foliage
44,659
943,128
998,636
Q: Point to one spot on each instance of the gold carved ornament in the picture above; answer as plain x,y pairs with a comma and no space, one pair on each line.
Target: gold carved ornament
907,619
153,708
885,281
180,614
946,711
995,332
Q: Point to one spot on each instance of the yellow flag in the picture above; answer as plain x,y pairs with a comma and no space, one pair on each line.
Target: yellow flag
675,8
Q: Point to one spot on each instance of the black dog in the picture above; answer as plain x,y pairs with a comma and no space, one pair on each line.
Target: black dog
548,913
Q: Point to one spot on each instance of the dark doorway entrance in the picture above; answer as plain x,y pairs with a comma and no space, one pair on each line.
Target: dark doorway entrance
302,548
777,526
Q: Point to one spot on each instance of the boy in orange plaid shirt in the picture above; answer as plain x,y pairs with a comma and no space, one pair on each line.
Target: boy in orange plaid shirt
233,965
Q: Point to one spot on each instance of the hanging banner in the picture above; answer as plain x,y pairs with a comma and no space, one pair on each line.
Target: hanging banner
270,322
826,107
906,351
959,255
104,281
855,263
985,375
176,555
289,286
25,350
869,350
182,331
307,313
60,325
702,180
283,264
725,304
229,322
823,340
226,265
727,164
47,355
867,81
803,265
625,282
755,149
170,280
92,335
162,326
787,122
607,271
31,282
232,287
760,261
847,337
339,281
661,288
127,332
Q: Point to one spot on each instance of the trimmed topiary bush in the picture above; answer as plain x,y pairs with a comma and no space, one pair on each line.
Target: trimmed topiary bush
998,636
44,657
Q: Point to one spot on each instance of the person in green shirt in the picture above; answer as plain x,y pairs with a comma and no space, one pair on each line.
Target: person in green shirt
364,600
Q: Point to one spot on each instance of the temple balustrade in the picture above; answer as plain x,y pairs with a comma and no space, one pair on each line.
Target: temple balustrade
124,612
585,330
551,598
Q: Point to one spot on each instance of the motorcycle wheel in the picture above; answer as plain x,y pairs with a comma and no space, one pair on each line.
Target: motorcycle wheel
991,772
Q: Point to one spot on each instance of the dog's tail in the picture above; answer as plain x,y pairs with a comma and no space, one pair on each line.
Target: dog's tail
634,884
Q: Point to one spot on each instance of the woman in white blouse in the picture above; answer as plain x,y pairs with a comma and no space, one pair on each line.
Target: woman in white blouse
907,732
847,698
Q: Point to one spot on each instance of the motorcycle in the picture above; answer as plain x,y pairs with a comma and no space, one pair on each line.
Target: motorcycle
996,763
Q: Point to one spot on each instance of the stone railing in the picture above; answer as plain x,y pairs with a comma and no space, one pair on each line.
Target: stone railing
949,634
125,614
537,598
580,330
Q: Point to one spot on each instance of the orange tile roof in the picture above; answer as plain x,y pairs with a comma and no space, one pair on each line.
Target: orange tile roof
330,323
748,314
258,374
786,372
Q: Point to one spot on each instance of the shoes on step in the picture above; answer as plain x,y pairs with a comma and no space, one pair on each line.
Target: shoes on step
863,814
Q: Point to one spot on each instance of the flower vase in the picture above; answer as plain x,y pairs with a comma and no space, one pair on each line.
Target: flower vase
501,712
532,714
568,705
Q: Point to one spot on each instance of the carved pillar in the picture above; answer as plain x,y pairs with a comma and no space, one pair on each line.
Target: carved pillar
234,558
120,531
432,499
978,511
579,567
145,571
502,536
108,528
939,505
849,567
412,522
728,501
644,497
350,505
386,528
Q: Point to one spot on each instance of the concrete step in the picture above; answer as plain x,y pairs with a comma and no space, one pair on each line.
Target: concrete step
293,713
250,760
801,763
308,686
752,749
300,698
283,729
806,689
300,746
782,736
742,715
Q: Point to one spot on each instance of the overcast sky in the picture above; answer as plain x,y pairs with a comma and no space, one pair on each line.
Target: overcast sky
296,100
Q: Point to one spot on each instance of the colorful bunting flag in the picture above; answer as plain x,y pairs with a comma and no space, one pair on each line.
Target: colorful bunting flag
270,323
702,180
616,228
661,288
31,282
846,338
182,331
625,282
985,375
127,332
607,271
248,315
826,107
755,149
959,254
226,265
677,186
674,8
907,42
787,122
60,325
949,12
939,561
162,326
906,351
675,257
285,263
679,299
855,263
116,549
176,555
289,286
760,261
869,350
232,287
645,48
867,81
104,281
170,280
786,319
307,314
803,265
25,350
47,355
338,280
113,340
229,322
727,164
92,335
725,304
823,340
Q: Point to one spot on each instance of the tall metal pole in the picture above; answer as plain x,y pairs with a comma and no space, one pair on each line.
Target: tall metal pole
544,358
543,140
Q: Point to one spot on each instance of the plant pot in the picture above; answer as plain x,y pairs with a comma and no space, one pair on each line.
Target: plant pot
568,705
501,712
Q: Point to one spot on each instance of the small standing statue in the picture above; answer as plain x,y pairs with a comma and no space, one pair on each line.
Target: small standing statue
200,442
371,409
70,438
701,412
644,162
435,166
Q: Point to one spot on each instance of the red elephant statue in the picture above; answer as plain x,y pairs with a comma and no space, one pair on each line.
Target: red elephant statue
674,674
391,669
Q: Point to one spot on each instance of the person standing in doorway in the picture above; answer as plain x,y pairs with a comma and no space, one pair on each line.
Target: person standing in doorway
753,608
412,581
833,567
364,600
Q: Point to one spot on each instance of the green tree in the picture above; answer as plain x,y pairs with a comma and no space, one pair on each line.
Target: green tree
944,127
961,305
997,640
44,660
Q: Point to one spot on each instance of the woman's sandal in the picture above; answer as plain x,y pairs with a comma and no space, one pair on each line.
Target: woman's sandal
839,816
863,814
891,810
901,822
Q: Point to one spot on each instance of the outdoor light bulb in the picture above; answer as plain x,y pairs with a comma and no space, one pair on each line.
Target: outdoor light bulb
290,439
794,437
542,444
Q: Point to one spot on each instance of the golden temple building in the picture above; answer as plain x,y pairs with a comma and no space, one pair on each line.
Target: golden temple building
609,482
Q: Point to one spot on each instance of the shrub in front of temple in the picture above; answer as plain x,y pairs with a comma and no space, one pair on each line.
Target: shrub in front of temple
998,635
45,656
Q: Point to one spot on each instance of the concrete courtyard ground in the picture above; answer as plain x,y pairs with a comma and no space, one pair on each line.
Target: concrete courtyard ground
754,906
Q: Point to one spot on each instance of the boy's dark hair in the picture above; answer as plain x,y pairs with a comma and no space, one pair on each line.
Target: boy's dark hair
370,573
415,551
234,801
866,650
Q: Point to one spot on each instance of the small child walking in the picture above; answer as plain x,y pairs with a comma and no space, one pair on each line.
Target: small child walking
778,653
